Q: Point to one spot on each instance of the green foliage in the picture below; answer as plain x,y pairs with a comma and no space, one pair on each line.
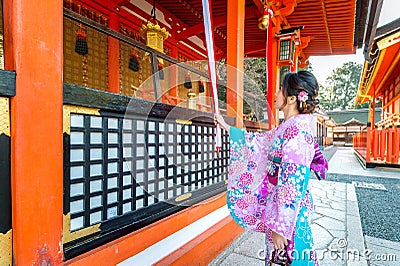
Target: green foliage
341,87
254,85
255,70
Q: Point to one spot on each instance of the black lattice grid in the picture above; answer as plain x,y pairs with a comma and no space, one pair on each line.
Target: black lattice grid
118,166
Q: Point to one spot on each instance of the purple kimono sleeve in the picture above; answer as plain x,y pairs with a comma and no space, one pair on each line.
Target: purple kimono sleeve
319,164
247,185
283,204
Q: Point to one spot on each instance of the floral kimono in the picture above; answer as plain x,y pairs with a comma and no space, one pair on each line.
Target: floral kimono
268,183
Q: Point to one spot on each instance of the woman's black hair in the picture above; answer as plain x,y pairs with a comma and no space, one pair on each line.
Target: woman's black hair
294,83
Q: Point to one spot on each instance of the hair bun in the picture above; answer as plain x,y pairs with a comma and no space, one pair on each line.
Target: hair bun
295,83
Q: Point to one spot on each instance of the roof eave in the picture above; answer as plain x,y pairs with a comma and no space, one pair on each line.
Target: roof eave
360,22
370,31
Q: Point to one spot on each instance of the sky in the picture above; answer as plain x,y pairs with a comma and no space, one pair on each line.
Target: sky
324,65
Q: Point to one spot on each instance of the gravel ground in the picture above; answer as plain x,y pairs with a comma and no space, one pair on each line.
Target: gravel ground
379,209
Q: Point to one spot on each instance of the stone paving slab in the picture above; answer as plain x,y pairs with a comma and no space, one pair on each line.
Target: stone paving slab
252,246
333,239
243,251
237,259
345,162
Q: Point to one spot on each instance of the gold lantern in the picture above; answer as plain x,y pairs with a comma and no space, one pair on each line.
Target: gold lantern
154,35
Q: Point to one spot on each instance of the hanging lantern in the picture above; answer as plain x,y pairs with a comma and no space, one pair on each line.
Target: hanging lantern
134,62
188,81
81,46
286,45
201,86
286,50
154,35
160,71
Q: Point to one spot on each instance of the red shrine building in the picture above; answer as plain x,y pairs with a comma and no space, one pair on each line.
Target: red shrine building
379,143
106,130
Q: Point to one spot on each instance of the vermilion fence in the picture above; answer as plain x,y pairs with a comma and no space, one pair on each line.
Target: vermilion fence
379,145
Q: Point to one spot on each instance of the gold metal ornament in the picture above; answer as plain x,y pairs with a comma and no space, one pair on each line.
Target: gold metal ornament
154,35
263,22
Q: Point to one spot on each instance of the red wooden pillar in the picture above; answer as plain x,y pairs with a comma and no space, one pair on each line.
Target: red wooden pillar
390,142
113,56
235,59
373,109
34,50
375,142
397,145
275,74
383,144
368,140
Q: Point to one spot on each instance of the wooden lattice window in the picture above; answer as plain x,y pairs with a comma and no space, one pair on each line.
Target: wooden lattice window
95,62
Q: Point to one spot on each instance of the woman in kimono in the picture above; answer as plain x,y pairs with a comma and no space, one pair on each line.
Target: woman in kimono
269,173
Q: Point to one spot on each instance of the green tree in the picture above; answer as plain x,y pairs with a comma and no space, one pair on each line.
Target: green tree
341,87
255,70
255,101
254,85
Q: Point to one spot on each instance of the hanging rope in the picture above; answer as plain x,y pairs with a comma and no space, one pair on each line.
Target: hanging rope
268,63
208,30
153,11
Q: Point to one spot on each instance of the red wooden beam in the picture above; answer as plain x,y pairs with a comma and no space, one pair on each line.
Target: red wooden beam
251,12
199,28
288,9
260,6
169,16
121,3
249,50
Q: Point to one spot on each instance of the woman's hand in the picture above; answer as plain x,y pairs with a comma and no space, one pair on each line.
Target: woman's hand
279,241
218,119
